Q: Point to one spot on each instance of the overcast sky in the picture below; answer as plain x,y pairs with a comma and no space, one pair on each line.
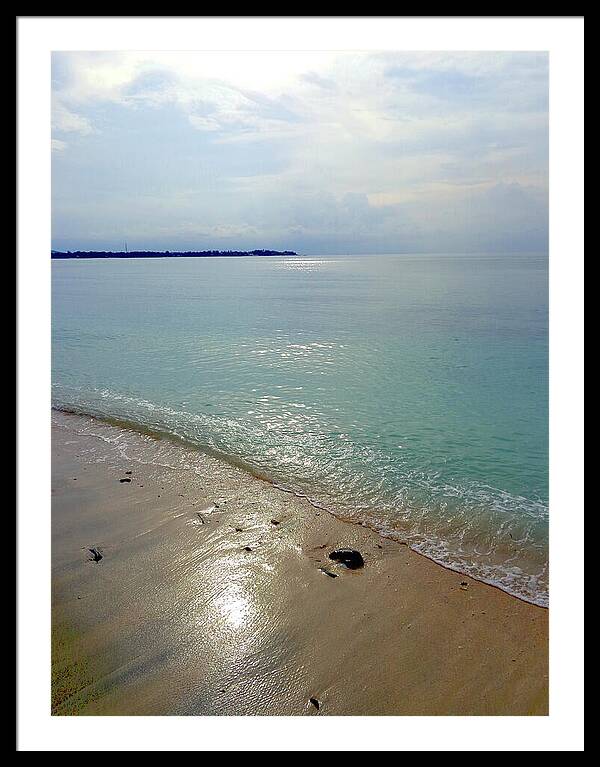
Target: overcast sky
318,153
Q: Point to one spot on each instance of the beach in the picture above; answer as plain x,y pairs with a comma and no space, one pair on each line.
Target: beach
183,585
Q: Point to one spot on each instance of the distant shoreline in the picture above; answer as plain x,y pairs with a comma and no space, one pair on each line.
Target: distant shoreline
167,253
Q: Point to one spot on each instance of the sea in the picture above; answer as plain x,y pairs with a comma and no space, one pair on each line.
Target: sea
407,393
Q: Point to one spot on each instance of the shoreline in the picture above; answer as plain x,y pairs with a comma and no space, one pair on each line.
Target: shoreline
211,598
158,434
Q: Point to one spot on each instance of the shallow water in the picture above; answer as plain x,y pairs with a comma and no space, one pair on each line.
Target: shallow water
407,392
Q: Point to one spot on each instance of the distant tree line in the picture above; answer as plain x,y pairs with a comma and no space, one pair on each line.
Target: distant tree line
166,253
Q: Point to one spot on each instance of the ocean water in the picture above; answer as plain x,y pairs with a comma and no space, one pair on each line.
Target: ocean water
408,392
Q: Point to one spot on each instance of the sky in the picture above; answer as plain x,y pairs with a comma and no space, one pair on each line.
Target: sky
321,153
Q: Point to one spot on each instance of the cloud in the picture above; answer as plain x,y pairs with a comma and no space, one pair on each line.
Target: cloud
359,150
65,121
313,78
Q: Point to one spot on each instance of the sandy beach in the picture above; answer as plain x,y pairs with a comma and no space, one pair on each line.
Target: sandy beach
212,594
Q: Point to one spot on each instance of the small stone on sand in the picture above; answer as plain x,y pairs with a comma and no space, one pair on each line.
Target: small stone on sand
328,572
96,555
351,558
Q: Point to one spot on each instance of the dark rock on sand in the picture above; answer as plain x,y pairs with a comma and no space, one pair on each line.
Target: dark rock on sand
96,555
247,548
349,557
128,472
316,703
125,479
274,521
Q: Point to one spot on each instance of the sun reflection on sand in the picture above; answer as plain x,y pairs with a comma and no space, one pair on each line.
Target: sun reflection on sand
228,600
235,606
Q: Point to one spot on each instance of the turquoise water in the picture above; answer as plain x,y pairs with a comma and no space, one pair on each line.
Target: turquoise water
407,392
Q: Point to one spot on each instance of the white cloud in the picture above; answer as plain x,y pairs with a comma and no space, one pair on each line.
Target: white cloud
66,121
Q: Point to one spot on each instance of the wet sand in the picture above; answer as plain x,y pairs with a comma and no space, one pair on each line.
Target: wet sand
209,598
